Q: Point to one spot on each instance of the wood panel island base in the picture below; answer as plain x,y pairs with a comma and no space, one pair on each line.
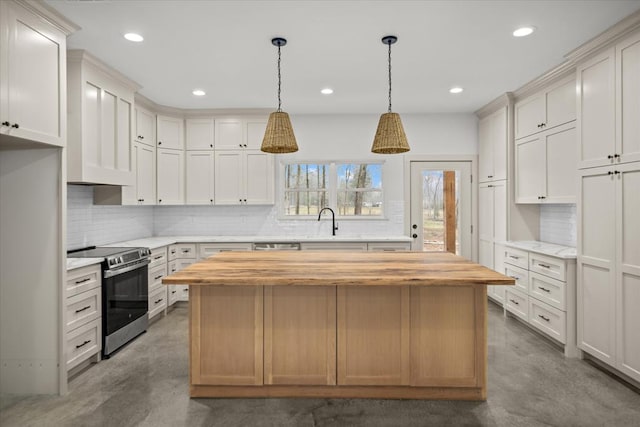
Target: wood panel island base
393,325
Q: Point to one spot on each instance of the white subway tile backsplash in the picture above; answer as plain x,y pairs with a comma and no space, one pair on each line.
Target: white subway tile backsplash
558,224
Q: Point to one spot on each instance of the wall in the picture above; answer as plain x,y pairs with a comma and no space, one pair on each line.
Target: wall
558,224
320,137
99,225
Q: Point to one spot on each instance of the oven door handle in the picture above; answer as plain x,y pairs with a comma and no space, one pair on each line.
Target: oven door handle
111,273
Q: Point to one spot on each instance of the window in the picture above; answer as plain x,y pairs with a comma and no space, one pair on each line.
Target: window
350,189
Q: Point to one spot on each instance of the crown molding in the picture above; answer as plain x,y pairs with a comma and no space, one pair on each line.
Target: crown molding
503,100
197,112
80,55
50,15
553,75
603,40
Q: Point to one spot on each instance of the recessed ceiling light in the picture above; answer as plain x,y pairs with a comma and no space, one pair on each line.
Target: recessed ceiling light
133,37
326,91
523,31
199,92
456,89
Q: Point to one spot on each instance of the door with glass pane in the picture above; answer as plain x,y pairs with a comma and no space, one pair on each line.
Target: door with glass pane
441,207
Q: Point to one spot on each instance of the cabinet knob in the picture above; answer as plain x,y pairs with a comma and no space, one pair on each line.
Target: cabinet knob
616,172
5,123
141,137
489,176
159,200
15,125
211,145
609,173
414,226
609,157
240,145
245,200
240,200
159,142
245,145
616,156
211,200
415,236
544,124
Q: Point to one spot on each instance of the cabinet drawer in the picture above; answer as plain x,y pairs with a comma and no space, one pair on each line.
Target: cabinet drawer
157,302
158,257
520,274
389,247
516,257
517,303
182,250
84,342
205,250
348,246
82,279
183,292
548,290
548,319
548,266
172,294
155,277
83,308
172,267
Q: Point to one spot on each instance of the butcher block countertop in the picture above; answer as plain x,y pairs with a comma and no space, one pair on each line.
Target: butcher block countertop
313,268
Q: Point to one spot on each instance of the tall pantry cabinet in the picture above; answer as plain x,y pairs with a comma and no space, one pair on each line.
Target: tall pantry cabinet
609,206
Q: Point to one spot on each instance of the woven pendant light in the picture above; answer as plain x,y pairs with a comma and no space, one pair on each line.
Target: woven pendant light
390,137
279,137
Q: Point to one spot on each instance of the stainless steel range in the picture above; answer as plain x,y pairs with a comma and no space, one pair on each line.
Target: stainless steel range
125,293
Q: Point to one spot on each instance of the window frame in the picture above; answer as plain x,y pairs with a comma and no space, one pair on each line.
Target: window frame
332,189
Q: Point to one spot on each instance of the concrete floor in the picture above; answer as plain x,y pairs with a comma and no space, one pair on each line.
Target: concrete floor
145,384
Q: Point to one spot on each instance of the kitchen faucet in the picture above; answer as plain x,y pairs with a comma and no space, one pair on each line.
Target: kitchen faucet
334,227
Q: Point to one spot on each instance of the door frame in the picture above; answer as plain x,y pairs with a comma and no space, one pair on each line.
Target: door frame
474,190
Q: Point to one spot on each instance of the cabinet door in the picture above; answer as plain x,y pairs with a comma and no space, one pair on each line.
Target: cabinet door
33,78
561,164
170,177
254,133
596,110
228,177
200,177
485,212
628,269
485,165
259,178
229,134
561,104
300,335
628,99
596,252
199,134
123,161
530,170
145,124
499,212
499,143
146,174
529,115
170,133
130,192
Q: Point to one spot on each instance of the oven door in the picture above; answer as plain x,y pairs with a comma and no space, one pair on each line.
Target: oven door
125,297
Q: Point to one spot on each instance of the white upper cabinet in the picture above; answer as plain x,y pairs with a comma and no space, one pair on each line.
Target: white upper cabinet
200,177
237,134
200,134
546,166
244,177
170,133
146,175
33,76
628,100
170,182
100,122
493,146
145,126
547,109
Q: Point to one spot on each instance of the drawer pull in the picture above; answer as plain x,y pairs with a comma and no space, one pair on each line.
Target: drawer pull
544,289
83,309
173,270
173,251
158,301
157,277
83,280
514,301
185,290
186,251
544,265
83,344
546,319
173,292
515,277
158,257
514,257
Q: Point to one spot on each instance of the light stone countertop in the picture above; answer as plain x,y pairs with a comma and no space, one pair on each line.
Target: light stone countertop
544,248
158,242
73,263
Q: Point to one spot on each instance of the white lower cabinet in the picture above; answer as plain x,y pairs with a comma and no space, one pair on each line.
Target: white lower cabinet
181,255
544,294
388,247
157,302
83,314
205,250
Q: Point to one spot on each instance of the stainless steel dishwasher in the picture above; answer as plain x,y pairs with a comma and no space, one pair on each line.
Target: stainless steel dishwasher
288,246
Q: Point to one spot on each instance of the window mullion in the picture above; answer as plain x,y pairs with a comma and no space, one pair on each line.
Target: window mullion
333,187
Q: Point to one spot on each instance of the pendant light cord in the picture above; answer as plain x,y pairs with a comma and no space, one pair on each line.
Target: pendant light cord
279,82
389,76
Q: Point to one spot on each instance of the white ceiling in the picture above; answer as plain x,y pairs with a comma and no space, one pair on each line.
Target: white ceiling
224,47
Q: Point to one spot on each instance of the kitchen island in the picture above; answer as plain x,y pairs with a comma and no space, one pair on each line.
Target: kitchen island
338,324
